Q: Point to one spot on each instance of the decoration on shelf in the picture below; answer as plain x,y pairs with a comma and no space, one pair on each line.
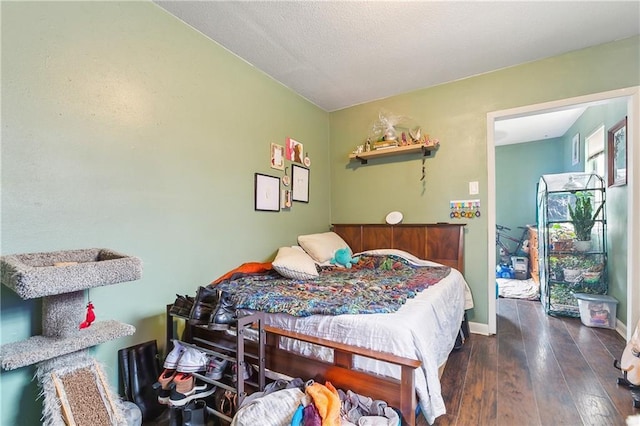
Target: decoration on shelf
393,135
277,156
294,150
464,209
89,317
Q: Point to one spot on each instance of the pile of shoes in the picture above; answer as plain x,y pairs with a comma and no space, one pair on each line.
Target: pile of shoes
210,307
178,387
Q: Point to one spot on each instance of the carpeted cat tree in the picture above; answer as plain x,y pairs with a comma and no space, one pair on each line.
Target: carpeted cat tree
74,388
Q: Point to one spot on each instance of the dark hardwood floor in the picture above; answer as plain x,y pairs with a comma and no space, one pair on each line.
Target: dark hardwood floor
538,370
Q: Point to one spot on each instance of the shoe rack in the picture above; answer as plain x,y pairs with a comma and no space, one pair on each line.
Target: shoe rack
241,345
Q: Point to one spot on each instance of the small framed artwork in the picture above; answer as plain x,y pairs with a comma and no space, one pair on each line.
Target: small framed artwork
267,193
300,183
286,199
575,149
617,154
277,156
294,150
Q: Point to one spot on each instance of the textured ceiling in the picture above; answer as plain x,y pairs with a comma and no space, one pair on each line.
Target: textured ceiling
338,54
344,53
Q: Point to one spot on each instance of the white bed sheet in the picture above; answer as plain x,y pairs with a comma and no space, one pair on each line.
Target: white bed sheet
424,328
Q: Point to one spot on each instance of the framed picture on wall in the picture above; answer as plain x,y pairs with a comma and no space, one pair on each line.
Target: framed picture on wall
300,183
575,149
267,193
277,156
617,154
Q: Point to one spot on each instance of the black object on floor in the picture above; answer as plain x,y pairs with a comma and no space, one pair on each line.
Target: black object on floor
139,369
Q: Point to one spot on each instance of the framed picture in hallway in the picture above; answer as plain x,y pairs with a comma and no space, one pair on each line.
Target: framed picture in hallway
617,154
575,149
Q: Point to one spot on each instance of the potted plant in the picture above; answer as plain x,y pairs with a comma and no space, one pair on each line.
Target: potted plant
583,219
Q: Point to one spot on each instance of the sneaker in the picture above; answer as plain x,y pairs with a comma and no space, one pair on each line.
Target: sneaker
162,385
198,391
247,371
192,360
215,368
171,361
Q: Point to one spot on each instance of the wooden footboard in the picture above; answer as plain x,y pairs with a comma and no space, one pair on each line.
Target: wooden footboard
399,394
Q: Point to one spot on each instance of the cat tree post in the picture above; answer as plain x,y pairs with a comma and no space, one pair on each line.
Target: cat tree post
62,313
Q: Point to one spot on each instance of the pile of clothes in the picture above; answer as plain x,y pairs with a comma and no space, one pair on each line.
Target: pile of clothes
299,403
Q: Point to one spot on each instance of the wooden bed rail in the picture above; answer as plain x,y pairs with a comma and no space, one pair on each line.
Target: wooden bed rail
400,394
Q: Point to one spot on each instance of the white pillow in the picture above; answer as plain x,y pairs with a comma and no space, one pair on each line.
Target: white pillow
294,263
322,246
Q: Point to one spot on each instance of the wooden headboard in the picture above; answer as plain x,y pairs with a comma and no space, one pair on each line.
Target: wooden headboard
439,242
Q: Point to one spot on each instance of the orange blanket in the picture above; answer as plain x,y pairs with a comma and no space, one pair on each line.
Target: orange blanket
245,268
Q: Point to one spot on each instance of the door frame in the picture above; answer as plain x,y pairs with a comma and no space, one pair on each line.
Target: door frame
632,94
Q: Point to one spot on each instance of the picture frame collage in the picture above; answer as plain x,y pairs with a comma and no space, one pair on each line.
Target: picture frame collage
273,193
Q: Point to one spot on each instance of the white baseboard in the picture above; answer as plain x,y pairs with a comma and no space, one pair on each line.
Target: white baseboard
479,328
621,328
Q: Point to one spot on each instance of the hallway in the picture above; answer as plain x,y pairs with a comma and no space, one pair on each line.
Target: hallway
538,370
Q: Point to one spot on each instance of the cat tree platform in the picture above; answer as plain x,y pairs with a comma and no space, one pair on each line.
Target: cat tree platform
34,275
41,348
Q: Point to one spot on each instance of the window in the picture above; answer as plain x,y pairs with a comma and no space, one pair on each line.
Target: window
594,149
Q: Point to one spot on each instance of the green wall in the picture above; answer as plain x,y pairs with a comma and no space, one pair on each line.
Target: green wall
518,170
456,114
608,115
124,128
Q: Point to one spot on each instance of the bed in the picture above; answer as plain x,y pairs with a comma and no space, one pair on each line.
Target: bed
419,335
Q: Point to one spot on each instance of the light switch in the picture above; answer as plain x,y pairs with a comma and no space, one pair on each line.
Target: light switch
473,188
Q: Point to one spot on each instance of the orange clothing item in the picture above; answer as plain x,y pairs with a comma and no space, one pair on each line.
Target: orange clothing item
327,402
246,268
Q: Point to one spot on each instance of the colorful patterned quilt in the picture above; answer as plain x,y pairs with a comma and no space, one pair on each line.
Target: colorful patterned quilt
376,284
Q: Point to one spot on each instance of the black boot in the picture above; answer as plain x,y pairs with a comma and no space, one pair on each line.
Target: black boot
182,306
225,313
143,373
195,413
203,305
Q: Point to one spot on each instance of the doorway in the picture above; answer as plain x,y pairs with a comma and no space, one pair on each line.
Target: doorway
632,96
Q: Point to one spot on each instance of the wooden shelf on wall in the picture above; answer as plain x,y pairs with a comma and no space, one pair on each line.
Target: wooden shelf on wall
364,157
